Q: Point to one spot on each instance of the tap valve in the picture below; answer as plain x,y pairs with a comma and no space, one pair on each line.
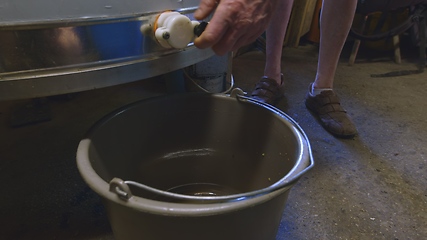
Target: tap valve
174,30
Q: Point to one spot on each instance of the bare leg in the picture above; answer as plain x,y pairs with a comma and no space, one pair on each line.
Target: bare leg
335,22
275,34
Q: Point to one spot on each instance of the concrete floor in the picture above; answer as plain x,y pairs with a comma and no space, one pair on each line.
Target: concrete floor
371,187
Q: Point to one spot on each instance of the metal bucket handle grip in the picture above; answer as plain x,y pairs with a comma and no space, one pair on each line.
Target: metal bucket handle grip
121,187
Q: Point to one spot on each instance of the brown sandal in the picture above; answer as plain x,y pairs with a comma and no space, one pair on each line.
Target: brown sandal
326,107
268,91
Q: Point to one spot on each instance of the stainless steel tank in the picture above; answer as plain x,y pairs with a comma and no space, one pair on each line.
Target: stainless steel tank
56,47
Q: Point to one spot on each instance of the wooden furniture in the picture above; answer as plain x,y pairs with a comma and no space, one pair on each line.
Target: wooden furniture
300,21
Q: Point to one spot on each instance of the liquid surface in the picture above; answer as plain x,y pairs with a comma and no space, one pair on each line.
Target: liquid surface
203,189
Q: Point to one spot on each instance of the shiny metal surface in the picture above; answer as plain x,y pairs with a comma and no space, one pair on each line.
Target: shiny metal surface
41,56
41,12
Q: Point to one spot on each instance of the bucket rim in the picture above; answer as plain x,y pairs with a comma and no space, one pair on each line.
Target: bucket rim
210,204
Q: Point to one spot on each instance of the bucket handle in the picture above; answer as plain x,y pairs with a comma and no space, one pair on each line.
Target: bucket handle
240,95
207,91
125,195
121,187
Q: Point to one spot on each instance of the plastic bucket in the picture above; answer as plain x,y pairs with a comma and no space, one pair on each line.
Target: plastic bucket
194,166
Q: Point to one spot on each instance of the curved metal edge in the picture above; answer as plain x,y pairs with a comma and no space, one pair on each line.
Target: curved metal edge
283,184
101,76
81,21
242,97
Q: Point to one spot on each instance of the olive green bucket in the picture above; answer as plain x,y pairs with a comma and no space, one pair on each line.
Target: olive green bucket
195,166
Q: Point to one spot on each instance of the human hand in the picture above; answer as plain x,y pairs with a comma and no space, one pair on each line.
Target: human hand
235,23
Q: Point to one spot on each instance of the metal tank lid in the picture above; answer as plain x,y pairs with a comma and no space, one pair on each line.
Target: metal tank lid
52,47
24,12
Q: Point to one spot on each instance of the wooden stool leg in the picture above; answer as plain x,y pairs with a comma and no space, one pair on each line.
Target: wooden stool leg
396,46
422,42
356,44
354,51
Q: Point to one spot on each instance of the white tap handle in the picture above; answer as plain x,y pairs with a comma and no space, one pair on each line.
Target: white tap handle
174,30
